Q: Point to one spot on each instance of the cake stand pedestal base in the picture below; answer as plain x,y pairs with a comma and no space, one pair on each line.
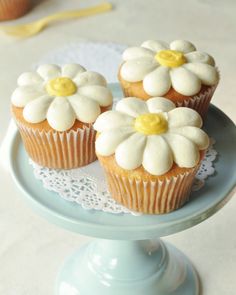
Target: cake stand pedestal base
108,267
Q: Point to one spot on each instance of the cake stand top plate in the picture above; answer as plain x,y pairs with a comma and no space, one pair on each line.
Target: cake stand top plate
72,216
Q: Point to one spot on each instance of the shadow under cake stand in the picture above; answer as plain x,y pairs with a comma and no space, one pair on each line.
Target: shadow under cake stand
128,258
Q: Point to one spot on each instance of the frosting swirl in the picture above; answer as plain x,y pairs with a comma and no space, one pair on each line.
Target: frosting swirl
170,58
61,86
151,124
61,95
153,133
161,66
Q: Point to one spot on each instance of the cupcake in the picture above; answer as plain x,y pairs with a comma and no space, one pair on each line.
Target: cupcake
54,109
177,71
150,152
11,9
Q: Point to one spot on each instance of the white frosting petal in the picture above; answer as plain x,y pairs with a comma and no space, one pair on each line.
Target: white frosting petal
206,73
24,94
49,71
36,110
196,135
184,81
157,82
136,69
157,157
197,56
60,115
155,45
89,78
86,109
182,116
72,70
160,104
29,78
137,52
132,106
185,152
182,45
108,141
129,154
112,120
102,95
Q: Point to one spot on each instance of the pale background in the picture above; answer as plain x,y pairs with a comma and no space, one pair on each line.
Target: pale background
31,249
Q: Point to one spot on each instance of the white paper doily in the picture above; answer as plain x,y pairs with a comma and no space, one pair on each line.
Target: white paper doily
87,186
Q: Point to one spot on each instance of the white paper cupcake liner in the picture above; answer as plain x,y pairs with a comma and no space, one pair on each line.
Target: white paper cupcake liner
199,103
59,150
151,197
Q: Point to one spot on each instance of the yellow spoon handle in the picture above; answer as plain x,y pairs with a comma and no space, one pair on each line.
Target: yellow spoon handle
33,28
78,13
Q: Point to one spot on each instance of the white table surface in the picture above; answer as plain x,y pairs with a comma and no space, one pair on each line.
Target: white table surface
31,249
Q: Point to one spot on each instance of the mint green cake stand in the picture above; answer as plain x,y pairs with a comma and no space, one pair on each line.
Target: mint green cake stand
128,258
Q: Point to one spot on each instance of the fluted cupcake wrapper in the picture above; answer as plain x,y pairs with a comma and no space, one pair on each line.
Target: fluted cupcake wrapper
151,197
59,150
11,9
199,103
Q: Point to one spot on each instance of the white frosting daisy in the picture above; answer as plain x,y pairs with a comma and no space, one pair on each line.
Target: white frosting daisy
161,66
61,95
151,133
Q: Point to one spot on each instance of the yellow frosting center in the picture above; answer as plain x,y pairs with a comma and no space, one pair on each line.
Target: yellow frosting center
61,86
150,124
170,58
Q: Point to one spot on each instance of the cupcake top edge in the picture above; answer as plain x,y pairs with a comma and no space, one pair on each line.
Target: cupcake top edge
61,95
153,134
161,66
